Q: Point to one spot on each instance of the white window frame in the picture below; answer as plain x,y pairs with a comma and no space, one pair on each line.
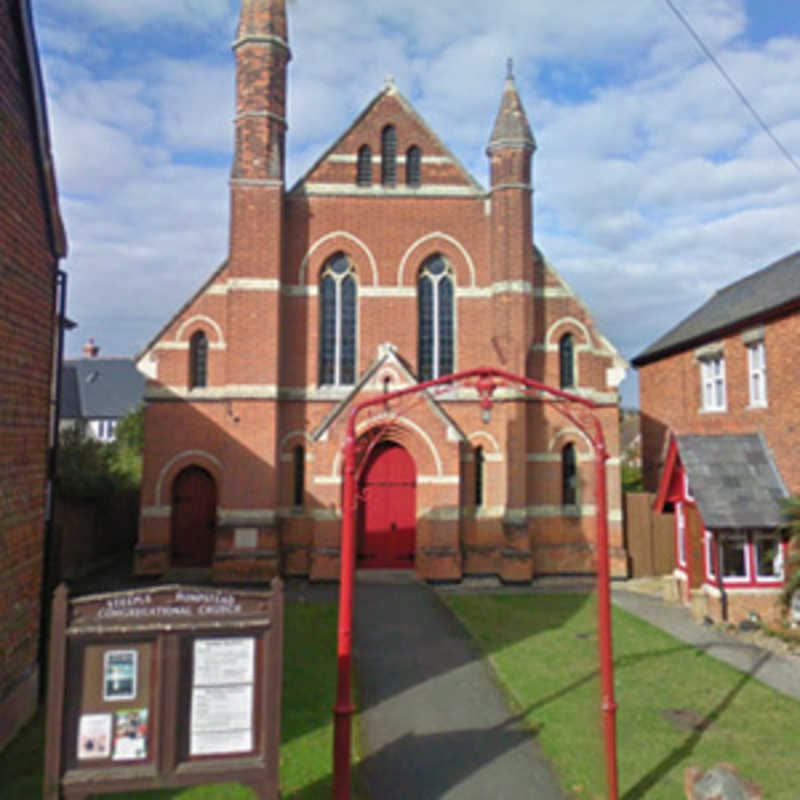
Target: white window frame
760,537
680,534
708,554
747,577
712,380
757,374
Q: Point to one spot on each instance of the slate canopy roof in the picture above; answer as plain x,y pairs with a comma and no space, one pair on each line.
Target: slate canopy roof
763,293
734,481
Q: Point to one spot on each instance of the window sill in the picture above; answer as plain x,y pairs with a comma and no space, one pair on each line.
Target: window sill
712,410
756,407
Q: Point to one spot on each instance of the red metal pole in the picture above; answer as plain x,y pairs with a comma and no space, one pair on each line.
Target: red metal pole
343,709
609,706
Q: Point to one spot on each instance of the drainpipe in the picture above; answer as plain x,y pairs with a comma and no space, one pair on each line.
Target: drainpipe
49,570
723,595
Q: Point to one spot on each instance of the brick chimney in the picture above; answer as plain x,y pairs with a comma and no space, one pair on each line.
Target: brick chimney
90,349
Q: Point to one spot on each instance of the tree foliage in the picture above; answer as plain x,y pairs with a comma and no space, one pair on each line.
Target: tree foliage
88,468
791,510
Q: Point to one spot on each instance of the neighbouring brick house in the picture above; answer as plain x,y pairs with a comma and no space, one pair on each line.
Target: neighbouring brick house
31,244
721,438
385,264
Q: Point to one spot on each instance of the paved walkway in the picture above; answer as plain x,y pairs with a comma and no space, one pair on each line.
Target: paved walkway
780,672
433,721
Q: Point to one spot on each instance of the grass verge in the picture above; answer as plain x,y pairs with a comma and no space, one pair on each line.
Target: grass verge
309,678
677,706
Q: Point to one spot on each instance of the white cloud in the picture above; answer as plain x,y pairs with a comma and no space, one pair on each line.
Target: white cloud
654,186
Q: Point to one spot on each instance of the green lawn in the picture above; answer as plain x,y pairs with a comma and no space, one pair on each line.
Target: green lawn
309,680
544,650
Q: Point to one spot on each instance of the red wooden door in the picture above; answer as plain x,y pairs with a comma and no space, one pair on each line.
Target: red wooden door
388,515
194,514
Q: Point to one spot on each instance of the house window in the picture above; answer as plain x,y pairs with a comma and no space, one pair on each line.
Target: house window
680,526
708,542
768,557
479,462
569,476
757,370
104,429
734,557
566,360
712,371
198,360
364,166
337,362
389,156
436,318
299,476
414,166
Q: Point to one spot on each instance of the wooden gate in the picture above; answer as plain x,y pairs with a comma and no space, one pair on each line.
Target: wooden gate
388,507
649,536
194,515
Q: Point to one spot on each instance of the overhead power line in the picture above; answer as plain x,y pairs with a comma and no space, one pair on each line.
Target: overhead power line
739,93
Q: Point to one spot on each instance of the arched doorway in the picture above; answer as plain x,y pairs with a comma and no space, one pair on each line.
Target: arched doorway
194,518
388,509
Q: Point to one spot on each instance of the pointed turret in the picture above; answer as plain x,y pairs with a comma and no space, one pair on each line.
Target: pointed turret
511,129
510,152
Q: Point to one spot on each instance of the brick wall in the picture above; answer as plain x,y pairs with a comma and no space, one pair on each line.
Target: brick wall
670,399
26,333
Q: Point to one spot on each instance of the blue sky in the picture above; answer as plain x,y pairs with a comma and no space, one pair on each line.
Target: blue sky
654,187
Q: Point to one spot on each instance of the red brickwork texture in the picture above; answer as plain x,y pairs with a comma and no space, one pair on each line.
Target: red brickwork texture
26,314
261,314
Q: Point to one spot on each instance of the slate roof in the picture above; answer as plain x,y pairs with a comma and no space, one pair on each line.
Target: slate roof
734,480
100,388
749,298
511,128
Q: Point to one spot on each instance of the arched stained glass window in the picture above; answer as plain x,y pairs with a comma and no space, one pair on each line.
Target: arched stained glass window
338,295
413,166
435,296
569,476
389,156
198,360
364,167
566,360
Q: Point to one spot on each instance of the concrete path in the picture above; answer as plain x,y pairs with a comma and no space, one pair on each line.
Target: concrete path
434,723
780,672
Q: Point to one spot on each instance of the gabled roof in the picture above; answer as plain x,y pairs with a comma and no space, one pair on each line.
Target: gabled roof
749,299
734,480
100,388
389,90
387,355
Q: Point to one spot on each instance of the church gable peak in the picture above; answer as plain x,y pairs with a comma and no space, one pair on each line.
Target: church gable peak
389,148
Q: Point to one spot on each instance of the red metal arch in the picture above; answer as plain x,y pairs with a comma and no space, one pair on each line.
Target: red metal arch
485,380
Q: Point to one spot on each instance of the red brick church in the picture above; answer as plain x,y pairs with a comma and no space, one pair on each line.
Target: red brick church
387,263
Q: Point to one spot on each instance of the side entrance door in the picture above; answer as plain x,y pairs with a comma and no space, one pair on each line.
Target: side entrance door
194,512
388,509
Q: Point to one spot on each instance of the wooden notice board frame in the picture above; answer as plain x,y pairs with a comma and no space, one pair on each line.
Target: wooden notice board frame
164,686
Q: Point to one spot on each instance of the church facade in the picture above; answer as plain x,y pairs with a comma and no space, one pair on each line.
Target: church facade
384,265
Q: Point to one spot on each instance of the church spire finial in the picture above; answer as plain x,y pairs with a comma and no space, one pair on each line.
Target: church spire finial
510,69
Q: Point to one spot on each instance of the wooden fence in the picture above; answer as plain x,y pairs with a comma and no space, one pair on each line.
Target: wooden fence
649,536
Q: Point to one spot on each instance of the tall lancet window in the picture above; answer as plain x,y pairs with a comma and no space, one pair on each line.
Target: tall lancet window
364,166
389,156
413,166
198,360
569,476
337,301
436,318
566,358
